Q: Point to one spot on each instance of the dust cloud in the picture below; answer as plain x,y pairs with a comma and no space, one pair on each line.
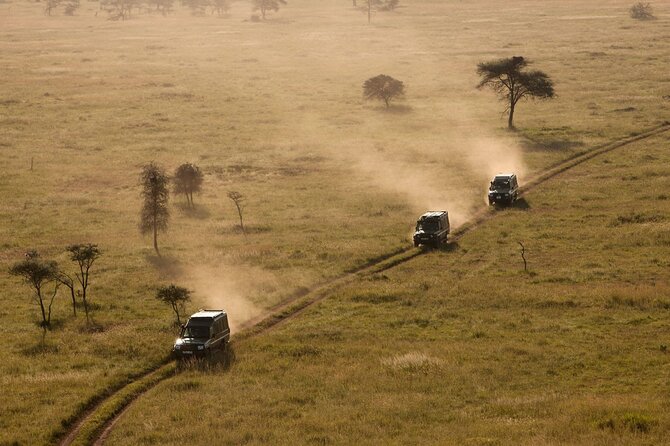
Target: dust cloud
230,288
449,171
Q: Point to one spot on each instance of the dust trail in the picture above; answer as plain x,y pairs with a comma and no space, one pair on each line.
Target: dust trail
449,170
231,288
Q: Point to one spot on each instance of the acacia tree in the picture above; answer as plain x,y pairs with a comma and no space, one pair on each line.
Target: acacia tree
506,78
155,214
266,5
119,9
69,6
238,199
187,179
221,7
383,87
162,6
197,7
642,11
38,273
175,296
84,255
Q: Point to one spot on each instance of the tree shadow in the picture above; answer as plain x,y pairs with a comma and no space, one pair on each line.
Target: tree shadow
399,109
167,266
197,211
43,347
549,143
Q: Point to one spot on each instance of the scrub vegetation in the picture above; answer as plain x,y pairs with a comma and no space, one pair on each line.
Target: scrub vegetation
571,351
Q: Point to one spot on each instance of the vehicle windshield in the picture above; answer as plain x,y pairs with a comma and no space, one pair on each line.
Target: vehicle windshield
432,225
195,332
500,184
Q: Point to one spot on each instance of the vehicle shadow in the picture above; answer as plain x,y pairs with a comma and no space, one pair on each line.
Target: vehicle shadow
219,361
450,246
520,203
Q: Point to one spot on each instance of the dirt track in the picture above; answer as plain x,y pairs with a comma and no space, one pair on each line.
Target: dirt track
296,304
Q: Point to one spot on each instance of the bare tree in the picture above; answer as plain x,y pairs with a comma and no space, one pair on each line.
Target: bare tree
119,9
238,199
523,256
68,281
155,214
383,87
642,11
38,273
176,297
506,78
187,179
84,255
266,5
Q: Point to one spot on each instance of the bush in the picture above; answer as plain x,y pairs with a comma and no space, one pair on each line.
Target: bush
642,11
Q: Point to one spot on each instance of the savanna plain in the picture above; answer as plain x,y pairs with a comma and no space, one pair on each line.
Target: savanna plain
459,345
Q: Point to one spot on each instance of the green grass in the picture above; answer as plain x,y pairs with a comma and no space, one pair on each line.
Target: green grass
274,110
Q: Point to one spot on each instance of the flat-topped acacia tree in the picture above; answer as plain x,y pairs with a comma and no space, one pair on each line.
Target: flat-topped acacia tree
383,87
507,78
266,5
38,273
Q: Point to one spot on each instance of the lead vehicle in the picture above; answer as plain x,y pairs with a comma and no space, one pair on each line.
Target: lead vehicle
504,189
205,332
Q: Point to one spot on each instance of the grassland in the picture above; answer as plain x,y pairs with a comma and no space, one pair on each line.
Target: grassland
274,110
463,346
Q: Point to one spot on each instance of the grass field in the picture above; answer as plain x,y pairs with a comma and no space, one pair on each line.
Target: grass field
274,110
462,346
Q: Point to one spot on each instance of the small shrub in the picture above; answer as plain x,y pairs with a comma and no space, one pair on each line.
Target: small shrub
638,423
607,423
633,422
413,362
642,11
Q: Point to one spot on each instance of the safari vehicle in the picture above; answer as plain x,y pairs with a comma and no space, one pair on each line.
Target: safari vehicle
205,332
432,229
504,189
